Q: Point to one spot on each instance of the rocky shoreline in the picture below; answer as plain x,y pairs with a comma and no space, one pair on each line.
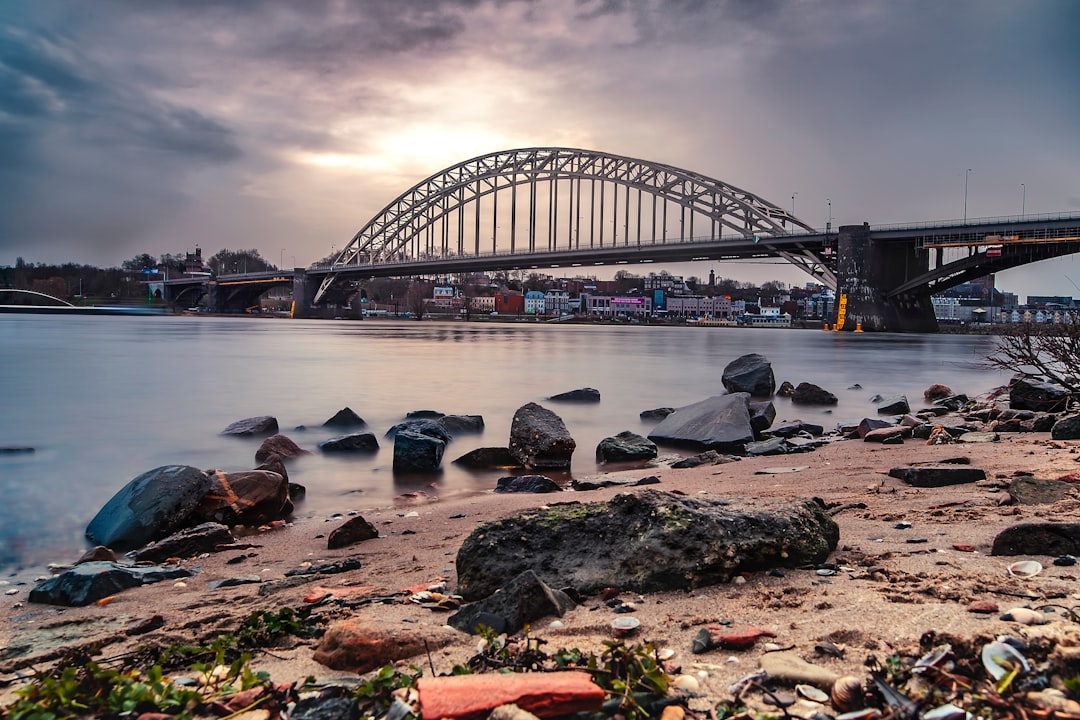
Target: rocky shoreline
904,556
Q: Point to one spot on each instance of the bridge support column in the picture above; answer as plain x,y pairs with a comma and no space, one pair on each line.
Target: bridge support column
215,297
304,289
866,271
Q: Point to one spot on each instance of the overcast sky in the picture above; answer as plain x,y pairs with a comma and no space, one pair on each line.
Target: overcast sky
129,126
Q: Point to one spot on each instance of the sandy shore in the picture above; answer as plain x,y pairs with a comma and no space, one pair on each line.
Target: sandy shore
898,590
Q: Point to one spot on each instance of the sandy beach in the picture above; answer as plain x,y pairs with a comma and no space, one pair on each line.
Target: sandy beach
897,589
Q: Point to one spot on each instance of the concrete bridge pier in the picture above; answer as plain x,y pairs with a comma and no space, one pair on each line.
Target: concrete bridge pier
304,289
867,270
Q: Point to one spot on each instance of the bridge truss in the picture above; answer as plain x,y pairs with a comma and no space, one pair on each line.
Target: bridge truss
550,200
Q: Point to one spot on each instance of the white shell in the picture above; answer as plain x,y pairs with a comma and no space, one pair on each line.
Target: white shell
688,683
1025,569
999,658
809,692
1025,616
625,624
948,711
665,654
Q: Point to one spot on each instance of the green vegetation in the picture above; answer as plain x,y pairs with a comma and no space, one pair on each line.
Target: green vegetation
78,686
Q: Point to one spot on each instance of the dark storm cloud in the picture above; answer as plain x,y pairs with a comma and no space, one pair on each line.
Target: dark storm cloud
85,152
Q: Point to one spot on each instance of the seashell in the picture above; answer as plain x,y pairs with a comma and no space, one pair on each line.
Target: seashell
625,625
863,714
1025,616
948,711
665,654
847,693
1000,658
1025,569
688,683
933,658
809,692
556,624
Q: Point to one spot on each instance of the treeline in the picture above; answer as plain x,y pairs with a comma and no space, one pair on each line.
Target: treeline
74,282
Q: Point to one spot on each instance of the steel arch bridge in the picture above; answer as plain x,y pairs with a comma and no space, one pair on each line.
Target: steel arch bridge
560,199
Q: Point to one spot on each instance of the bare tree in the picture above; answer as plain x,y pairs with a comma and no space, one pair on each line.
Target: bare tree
1048,351
418,292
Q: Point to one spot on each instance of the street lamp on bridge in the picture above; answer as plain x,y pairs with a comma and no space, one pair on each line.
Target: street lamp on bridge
828,223
1023,202
793,202
966,173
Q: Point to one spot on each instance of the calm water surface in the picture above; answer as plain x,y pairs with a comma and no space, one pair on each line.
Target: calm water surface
103,399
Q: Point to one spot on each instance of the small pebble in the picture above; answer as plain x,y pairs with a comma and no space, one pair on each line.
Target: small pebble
903,525
916,540
1065,561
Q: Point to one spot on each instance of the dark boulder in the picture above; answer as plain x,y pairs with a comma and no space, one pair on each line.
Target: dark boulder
786,389
416,452
355,443
762,416
627,446
1067,428
772,446
153,505
929,476
1031,394
463,423
954,403
252,497
811,394
523,600
354,530
424,415
709,457
795,427
867,425
527,484
488,458
1044,422
261,425
645,541
275,463
1038,539
585,395
655,413
186,543
280,445
345,418
421,426
894,406
750,374
92,581
721,422
539,439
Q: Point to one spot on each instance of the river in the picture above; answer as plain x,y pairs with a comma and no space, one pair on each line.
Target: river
103,399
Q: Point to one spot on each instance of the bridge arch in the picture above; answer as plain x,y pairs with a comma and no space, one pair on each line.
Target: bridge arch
550,202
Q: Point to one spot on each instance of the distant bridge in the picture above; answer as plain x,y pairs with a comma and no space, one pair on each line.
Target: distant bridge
538,208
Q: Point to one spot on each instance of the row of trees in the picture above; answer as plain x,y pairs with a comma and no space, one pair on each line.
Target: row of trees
74,282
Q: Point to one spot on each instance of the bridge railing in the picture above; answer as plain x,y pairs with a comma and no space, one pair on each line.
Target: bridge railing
995,220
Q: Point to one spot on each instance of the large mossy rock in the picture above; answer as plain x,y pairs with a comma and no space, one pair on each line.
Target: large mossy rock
1031,394
645,542
721,422
539,439
751,374
153,505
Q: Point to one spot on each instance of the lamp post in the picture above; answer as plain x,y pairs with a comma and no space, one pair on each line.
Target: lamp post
1023,202
966,173
828,224
793,202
